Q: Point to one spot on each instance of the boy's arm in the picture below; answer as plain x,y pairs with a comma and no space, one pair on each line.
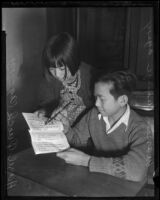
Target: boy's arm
79,135
132,166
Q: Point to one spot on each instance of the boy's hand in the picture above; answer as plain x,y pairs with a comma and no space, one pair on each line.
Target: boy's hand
75,157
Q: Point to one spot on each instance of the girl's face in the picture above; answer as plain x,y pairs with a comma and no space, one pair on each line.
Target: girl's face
61,73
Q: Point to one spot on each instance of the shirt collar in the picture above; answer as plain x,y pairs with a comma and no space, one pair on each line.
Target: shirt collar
124,119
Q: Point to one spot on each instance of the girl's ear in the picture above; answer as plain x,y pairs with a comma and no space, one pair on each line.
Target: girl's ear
123,100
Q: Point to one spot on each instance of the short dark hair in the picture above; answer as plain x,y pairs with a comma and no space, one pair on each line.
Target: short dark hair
61,49
123,83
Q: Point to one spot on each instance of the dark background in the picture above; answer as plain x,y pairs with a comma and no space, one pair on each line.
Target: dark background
109,38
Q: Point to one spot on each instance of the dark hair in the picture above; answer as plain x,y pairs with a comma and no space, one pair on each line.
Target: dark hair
123,83
61,49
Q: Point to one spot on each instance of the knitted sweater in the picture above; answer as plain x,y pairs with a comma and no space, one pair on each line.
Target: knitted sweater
125,152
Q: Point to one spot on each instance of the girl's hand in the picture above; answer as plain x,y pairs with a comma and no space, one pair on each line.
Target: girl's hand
62,116
40,113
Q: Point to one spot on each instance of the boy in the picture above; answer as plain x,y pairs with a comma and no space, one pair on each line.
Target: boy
120,138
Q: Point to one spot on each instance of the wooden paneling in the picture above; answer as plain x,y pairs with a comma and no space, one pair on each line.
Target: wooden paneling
102,36
61,19
145,44
139,52
110,38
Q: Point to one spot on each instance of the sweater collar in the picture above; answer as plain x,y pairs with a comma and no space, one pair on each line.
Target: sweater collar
124,119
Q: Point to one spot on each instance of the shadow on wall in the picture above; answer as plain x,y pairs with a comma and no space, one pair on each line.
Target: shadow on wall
32,37
32,33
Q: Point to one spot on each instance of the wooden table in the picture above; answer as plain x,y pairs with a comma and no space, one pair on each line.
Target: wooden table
48,175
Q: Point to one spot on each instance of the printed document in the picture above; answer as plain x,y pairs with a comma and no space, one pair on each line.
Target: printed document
46,138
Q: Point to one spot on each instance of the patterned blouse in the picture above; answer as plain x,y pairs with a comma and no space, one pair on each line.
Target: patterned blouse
70,101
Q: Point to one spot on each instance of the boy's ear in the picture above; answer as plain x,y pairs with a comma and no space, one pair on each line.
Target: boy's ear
123,100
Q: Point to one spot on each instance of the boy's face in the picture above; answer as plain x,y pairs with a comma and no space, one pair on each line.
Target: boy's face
105,102
60,72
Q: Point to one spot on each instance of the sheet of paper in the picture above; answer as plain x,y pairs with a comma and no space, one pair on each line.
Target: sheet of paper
48,141
36,123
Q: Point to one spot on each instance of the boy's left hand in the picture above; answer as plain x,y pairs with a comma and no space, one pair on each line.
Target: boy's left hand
75,157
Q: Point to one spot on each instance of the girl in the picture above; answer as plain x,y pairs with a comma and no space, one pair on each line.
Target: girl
71,78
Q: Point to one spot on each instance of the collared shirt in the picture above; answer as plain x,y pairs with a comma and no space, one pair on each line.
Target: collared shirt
124,119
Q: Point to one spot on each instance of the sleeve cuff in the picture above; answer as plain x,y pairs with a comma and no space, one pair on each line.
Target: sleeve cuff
103,165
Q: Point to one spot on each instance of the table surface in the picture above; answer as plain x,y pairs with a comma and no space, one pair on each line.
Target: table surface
48,175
